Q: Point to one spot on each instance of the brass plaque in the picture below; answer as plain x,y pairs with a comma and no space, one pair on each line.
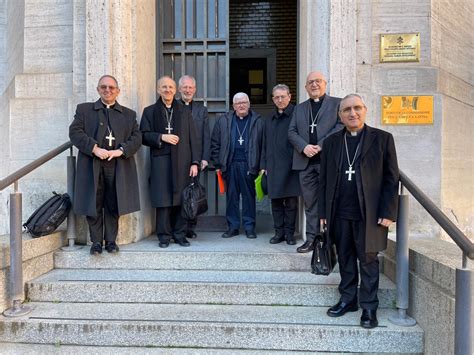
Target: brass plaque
407,110
400,47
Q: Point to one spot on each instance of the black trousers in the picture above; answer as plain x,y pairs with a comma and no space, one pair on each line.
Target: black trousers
170,223
284,212
104,225
349,236
309,182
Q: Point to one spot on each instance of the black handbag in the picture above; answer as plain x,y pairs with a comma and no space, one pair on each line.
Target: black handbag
48,216
324,257
194,200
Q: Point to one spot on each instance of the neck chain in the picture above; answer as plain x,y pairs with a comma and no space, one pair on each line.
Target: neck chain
169,117
314,120
241,139
350,171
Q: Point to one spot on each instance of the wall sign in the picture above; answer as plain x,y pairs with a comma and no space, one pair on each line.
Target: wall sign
400,47
407,110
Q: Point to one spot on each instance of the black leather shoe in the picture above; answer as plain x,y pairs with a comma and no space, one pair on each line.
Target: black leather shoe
96,248
191,235
250,234
277,239
341,308
290,240
182,241
230,233
369,318
306,247
164,243
111,247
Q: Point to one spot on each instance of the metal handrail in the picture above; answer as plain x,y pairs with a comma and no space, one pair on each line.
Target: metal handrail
10,179
16,244
449,227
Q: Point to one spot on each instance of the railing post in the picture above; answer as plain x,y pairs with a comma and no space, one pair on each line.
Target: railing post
16,258
402,268
463,310
71,218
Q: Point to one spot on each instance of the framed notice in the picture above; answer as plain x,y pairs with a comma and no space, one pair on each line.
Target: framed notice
407,110
400,47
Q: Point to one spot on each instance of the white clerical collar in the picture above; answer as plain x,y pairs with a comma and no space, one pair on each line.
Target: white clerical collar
108,105
316,100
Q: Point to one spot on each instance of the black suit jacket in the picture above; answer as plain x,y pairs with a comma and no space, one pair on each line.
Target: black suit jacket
203,134
377,182
298,131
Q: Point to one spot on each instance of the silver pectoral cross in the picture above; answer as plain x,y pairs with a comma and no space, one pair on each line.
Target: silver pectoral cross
313,126
240,140
169,128
350,172
110,138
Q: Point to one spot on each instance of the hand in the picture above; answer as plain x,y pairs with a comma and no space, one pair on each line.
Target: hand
100,153
170,138
323,222
311,150
193,170
204,164
384,222
115,154
263,171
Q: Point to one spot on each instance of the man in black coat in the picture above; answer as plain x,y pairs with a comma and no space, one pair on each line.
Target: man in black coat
187,89
236,146
283,184
358,200
168,129
313,120
107,136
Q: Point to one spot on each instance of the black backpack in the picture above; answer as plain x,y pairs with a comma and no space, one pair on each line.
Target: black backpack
48,216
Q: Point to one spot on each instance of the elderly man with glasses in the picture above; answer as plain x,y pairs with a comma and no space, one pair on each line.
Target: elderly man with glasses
107,137
236,145
312,121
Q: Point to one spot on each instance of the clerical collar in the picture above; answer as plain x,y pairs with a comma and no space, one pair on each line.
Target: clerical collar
186,103
355,133
108,105
168,106
321,98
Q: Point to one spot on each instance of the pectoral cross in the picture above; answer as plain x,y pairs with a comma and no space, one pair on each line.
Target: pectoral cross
110,138
313,126
350,172
240,140
169,128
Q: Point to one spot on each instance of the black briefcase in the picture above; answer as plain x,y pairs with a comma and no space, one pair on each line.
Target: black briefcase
324,257
194,200
48,216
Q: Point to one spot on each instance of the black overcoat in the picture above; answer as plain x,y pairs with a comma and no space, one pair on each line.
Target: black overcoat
170,164
377,182
203,133
277,156
89,128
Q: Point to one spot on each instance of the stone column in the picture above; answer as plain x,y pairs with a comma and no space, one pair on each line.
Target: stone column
120,40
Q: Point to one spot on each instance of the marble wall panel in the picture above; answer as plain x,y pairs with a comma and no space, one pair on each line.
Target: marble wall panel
44,13
57,85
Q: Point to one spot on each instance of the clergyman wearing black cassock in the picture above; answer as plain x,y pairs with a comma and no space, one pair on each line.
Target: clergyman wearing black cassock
277,157
107,137
168,130
358,200
312,122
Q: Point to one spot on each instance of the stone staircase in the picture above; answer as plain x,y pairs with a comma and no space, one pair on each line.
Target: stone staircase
216,297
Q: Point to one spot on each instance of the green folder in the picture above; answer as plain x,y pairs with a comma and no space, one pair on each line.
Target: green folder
258,188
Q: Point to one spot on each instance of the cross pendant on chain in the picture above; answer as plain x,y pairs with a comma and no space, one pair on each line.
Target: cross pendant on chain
110,138
240,140
349,173
169,128
313,126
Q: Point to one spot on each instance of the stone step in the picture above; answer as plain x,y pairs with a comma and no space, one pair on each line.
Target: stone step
207,326
207,252
194,286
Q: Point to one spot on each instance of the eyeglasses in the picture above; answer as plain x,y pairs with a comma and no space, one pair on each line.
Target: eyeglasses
281,97
357,109
315,81
105,87
242,103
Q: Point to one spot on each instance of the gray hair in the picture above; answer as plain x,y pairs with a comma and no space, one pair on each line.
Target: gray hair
353,95
108,76
180,81
281,87
240,95
158,83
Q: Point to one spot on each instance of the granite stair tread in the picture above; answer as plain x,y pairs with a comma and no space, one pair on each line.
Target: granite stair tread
225,326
